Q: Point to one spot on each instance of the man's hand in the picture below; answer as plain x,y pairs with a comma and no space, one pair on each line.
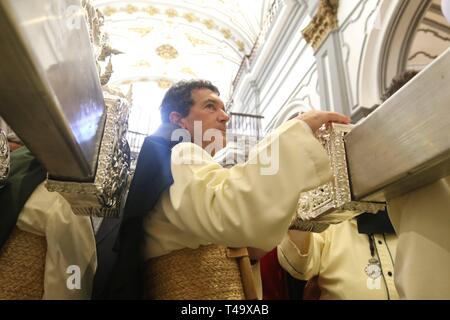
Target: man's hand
315,119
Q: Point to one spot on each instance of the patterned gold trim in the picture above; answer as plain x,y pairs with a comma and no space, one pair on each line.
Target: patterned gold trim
322,23
173,13
151,10
226,33
190,17
131,8
209,23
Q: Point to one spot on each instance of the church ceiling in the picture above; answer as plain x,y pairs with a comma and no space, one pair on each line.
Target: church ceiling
166,41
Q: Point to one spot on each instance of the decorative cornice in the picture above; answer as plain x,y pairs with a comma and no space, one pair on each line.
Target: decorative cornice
324,21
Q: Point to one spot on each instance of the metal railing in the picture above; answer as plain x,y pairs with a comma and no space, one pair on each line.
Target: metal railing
135,140
242,124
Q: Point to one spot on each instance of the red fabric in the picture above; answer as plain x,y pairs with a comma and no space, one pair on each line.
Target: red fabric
273,278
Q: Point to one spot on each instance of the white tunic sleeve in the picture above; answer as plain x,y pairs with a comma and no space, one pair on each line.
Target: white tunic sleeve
250,204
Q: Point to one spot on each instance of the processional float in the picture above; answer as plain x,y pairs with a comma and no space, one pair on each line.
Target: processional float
53,68
402,146
51,96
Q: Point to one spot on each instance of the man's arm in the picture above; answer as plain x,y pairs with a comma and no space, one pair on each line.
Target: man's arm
300,253
242,206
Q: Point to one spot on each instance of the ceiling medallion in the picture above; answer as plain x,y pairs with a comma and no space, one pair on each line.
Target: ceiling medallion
166,51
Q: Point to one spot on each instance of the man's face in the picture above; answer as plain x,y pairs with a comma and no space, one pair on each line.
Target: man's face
209,110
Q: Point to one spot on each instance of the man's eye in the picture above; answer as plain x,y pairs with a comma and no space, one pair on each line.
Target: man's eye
211,106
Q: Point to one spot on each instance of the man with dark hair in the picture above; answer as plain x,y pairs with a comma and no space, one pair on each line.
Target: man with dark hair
190,213
179,99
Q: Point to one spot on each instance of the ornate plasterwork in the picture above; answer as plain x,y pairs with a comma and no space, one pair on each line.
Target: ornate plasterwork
164,83
143,31
195,41
167,52
190,17
188,71
333,198
322,23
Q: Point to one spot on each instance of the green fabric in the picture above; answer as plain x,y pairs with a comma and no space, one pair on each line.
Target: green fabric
25,175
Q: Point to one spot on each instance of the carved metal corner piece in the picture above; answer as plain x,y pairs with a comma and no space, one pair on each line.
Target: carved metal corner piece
4,158
324,21
103,197
335,196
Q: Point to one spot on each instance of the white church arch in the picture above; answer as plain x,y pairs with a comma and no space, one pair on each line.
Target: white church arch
295,106
388,45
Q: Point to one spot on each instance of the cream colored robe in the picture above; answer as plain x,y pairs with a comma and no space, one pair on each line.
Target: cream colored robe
70,242
339,256
422,221
248,205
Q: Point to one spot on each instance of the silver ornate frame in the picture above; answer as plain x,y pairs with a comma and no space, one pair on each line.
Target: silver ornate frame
103,197
335,196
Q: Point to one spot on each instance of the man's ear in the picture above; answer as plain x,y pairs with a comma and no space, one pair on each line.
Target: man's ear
176,118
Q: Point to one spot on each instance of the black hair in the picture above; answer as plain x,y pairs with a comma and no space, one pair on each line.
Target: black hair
398,82
179,97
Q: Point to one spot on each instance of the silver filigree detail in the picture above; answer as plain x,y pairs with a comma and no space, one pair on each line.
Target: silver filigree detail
334,197
99,40
4,158
104,78
103,197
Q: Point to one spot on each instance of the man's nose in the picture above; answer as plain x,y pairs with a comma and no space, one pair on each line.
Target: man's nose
224,117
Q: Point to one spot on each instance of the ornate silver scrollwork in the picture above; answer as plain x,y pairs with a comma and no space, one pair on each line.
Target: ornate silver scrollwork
100,41
4,158
103,197
333,199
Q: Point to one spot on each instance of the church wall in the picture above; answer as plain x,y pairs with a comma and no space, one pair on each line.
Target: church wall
351,67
